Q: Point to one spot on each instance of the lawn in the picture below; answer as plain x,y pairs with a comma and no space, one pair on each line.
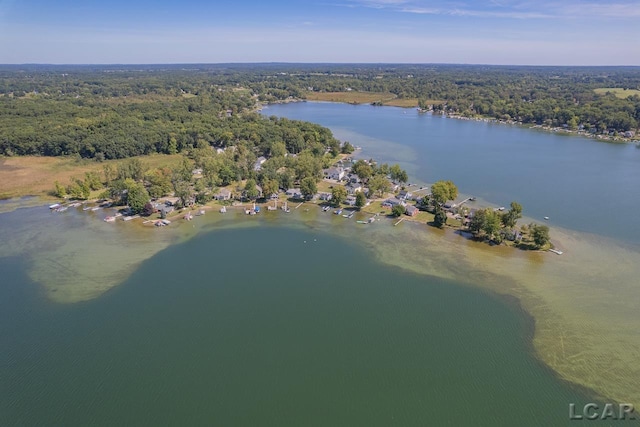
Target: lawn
36,175
617,91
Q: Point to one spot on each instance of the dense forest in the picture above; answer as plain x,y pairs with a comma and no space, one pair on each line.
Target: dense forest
107,112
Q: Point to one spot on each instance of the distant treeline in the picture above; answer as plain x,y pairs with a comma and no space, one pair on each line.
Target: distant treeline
109,115
122,111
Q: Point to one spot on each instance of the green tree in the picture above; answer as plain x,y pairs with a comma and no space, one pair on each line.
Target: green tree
540,235
251,190
510,218
338,194
398,210
378,184
440,217
308,187
60,191
92,179
347,148
442,191
109,174
269,187
362,169
398,174
361,199
137,197
492,224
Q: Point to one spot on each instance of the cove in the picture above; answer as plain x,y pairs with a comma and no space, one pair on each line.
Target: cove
272,325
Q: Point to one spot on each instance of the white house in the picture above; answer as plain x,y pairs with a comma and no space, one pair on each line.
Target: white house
334,173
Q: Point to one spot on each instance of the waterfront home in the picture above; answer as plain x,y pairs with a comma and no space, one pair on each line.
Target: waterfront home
353,188
223,194
171,201
449,205
294,193
389,203
336,173
411,210
350,201
405,195
325,196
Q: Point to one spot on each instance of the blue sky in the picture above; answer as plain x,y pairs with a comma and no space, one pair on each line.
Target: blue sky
543,32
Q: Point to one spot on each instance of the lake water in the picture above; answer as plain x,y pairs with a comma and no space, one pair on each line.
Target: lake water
580,183
271,325
311,319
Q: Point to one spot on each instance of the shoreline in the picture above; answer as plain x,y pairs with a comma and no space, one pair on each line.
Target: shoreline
488,119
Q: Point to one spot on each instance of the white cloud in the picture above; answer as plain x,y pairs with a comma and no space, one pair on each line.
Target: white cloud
509,9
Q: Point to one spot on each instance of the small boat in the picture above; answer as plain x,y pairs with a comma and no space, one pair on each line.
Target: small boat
256,209
200,212
223,209
55,206
188,216
338,211
95,208
110,219
472,198
555,251
362,222
546,218
501,208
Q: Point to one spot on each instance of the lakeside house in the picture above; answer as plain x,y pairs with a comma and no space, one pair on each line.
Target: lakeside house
294,193
223,194
411,210
353,188
325,196
393,201
405,195
171,201
336,173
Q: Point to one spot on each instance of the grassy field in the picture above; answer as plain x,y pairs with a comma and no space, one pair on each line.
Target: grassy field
354,97
618,92
35,176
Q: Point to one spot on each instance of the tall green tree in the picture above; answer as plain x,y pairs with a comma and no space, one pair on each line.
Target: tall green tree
511,217
361,199
338,195
440,217
540,235
308,187
442,191
251,190
362,169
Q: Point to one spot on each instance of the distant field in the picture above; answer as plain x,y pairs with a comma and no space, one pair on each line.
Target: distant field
617,91
354,97
35,176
